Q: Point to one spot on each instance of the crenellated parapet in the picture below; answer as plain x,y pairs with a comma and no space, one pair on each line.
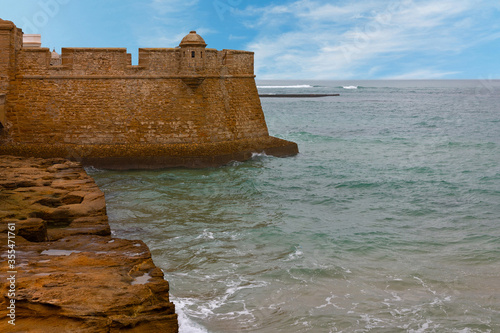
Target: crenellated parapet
185,60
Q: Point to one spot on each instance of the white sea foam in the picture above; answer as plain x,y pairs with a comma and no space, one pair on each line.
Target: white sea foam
425,285
346,270
92,169
396,297
234,163
329,302
287,87
206,235
231,235
350,87
372,322
422,328
297,254
257,155
186,324
189,308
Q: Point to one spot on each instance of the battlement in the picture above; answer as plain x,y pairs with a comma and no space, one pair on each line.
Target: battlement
152,61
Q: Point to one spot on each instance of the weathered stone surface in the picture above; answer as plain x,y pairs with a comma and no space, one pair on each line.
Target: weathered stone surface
152,156
33,229
72,276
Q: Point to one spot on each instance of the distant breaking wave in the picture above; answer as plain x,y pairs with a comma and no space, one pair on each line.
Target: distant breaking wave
350,87
292,87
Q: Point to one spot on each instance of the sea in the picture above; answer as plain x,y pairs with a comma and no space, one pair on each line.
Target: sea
388,220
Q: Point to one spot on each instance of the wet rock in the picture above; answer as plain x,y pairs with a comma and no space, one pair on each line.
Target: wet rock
33,230
71,275
71,199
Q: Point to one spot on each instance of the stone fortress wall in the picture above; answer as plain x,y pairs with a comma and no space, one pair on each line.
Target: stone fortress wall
184,106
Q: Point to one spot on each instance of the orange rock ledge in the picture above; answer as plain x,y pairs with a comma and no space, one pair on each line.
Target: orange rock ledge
70,274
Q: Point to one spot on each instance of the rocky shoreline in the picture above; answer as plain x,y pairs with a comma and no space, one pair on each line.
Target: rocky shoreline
62,270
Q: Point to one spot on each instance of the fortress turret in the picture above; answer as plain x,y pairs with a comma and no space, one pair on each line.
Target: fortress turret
192,53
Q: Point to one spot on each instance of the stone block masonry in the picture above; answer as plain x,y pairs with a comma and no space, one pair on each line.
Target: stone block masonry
188,106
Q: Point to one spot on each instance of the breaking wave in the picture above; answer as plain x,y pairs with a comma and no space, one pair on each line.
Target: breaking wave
287,87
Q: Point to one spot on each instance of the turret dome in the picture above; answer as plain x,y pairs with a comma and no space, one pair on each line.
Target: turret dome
54,54
193,39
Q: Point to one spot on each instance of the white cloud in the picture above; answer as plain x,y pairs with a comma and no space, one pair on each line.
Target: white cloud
311,39
421,74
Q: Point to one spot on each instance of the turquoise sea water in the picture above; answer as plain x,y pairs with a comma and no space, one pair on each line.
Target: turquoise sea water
387,221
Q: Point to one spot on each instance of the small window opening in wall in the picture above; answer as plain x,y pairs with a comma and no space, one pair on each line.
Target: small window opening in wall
193,54
201,54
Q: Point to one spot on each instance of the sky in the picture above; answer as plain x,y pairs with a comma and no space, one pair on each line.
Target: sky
292,39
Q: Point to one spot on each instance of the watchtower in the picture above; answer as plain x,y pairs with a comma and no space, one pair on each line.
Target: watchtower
192,54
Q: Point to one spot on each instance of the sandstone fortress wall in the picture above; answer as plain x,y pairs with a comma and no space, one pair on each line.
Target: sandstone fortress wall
184,106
